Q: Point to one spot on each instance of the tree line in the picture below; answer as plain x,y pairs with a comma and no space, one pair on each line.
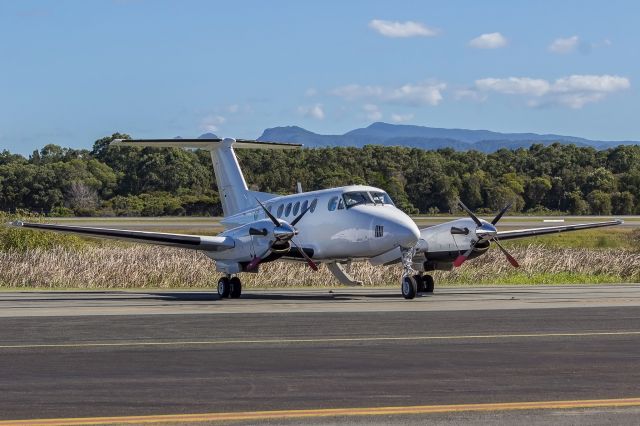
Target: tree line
129,181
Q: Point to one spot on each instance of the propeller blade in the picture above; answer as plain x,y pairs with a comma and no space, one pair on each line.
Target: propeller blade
297,219
459,261
254,263
462,258
502,212
268,213
470,213
310,262
510,258
257,260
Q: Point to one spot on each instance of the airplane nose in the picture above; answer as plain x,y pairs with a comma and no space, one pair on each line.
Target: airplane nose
404,231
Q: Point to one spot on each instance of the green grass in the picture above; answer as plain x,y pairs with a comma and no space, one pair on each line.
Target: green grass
601,238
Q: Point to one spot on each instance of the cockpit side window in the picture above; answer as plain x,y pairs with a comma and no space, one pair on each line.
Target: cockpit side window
341,204
356,198
333,203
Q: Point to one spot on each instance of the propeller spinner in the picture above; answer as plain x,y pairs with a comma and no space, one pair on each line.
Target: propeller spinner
485,232
283,232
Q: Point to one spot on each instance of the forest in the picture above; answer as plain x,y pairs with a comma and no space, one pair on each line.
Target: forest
126,181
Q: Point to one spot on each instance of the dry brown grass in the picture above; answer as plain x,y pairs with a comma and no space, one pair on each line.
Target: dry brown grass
106,267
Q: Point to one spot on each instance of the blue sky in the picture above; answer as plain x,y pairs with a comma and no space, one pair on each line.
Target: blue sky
74,71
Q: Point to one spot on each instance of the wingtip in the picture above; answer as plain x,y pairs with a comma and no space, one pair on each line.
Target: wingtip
16,223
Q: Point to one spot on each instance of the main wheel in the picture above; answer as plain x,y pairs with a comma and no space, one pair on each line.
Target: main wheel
224,287
409,287
428,283
236,288
420,282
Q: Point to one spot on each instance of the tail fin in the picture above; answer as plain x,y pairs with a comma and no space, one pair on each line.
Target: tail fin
234,193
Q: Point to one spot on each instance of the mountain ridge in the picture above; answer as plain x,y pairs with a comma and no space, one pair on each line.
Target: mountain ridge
414,136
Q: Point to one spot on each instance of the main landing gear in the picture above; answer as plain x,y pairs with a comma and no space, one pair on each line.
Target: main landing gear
229,287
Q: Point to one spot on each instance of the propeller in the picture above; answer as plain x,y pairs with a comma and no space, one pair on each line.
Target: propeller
485,232
283,232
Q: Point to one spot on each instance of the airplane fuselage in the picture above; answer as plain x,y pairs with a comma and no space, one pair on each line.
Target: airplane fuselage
351,222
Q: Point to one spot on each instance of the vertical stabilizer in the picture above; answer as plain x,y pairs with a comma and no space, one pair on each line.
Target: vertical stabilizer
232,187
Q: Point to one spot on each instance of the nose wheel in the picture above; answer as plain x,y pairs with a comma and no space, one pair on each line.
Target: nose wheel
408,282
409,287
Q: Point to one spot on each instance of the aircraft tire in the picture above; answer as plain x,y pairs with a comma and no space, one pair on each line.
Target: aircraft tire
420,282
428,284
224,287
235,288
409,287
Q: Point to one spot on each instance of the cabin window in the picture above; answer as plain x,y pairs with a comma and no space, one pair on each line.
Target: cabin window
333,203
314,203
341,204
296,208
280,209
305,204
287,211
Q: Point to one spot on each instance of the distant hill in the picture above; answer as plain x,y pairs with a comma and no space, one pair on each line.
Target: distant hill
427,138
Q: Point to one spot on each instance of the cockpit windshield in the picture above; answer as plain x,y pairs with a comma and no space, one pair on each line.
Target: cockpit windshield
381,198
363,197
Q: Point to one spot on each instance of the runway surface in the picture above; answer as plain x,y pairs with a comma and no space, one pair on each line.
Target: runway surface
88,354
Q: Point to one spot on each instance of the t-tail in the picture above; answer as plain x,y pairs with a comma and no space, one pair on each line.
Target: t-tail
235,196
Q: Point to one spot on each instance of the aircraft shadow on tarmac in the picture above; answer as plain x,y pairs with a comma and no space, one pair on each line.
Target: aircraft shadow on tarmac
191,296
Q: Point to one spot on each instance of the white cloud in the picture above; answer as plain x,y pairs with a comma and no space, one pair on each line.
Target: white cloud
574,91
564,45
470,94
401,118
211,123
397,29
312,111
514,85
420,94
233,108
604,43
372,112
310,92
489,41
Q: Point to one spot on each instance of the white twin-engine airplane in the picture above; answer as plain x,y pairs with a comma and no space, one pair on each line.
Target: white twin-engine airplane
333,226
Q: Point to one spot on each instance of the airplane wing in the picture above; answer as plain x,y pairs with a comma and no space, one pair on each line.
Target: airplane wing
194,242
521,233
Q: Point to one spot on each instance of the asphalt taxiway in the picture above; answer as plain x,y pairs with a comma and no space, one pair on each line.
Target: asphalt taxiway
362,356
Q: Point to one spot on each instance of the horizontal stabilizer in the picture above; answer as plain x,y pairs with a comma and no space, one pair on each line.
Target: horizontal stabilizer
204,143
